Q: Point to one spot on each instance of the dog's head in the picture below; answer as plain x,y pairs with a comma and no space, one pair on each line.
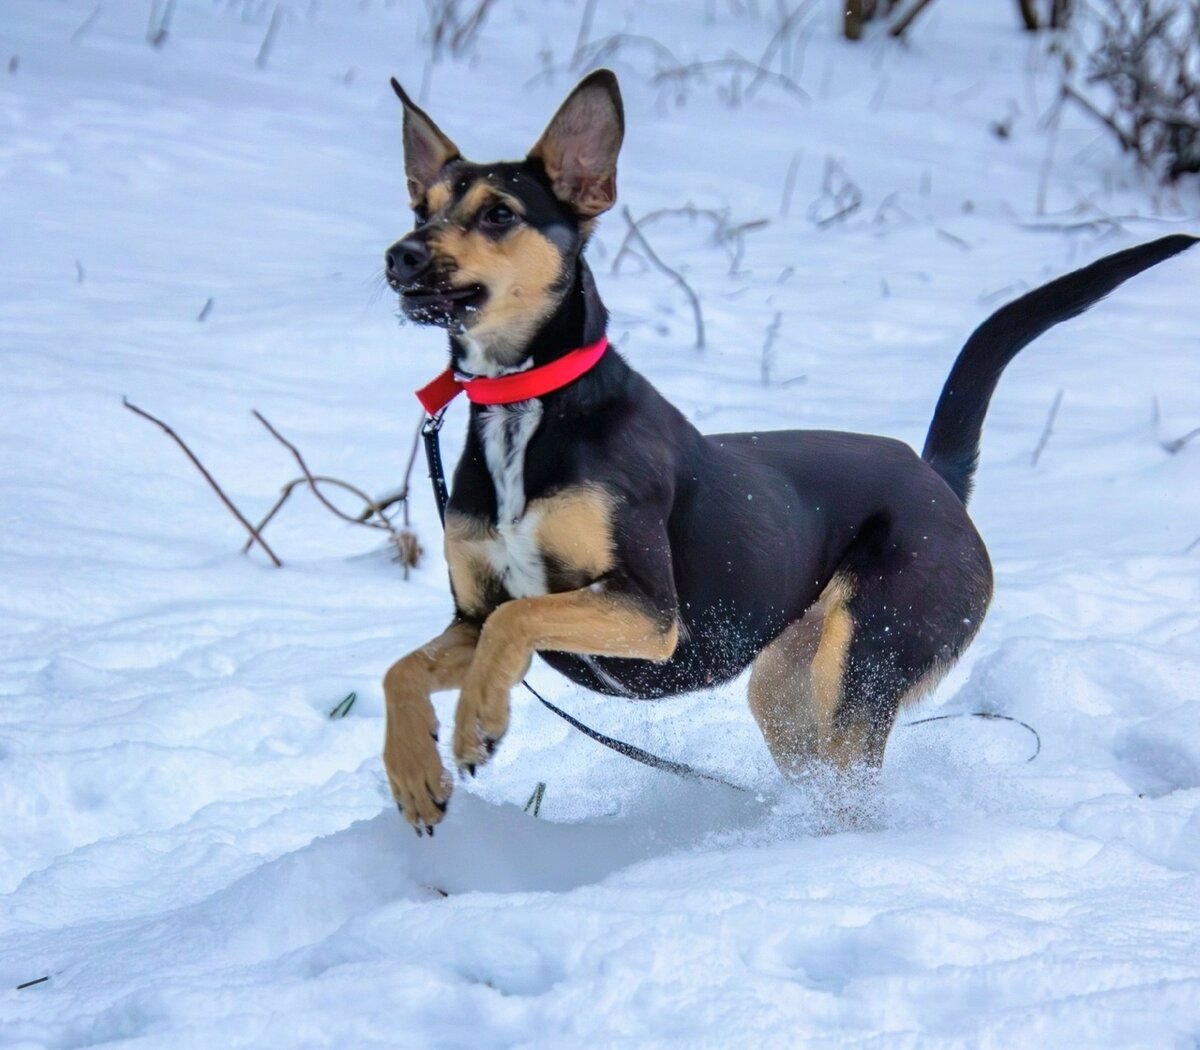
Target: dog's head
496,246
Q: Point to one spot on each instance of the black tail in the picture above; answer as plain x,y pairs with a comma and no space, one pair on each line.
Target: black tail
952,444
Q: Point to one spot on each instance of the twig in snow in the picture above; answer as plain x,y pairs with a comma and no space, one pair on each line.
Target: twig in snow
951,238
535,800
675,276
992,716
730,236
839,199
1172,445
79,272
159,26
401,494
36,980
585,31
408,549
1052,122
312,481
87,24
1047,430
254,533
789,182
901,25
205,310
768,350
264,51
342,709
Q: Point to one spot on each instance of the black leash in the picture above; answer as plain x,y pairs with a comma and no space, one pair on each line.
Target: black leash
441,495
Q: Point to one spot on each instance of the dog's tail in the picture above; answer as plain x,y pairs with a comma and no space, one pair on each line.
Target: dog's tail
952,444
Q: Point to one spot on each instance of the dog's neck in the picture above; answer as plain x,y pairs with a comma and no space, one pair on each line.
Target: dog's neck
579,319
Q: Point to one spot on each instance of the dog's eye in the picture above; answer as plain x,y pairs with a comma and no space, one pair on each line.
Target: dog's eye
499,216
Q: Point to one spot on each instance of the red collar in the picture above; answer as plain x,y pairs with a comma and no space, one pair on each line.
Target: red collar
520,386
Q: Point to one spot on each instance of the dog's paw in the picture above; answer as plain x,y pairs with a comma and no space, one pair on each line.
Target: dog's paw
419,782
479,723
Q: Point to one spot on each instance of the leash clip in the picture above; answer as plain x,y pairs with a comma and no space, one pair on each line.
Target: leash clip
433,459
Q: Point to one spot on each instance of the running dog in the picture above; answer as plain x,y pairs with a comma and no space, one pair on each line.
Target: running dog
591,523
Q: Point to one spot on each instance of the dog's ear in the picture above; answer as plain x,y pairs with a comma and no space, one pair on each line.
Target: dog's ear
580,145
426,148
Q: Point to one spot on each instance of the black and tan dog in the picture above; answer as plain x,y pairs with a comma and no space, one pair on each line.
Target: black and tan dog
591,523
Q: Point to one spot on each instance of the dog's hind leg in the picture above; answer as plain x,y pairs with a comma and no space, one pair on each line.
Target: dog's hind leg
795,683
829,688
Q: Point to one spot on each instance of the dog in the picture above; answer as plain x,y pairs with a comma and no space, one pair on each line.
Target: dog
591,523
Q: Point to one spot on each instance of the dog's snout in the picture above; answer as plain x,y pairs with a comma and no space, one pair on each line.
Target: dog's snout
407,259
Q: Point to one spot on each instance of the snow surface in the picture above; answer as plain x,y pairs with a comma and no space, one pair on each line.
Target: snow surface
196,855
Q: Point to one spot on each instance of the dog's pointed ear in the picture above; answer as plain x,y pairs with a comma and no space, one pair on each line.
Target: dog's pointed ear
426,148
580,145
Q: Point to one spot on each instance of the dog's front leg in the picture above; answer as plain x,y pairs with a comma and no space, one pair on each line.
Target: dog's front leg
419,784
587,621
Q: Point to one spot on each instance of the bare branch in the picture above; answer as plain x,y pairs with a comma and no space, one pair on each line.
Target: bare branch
901,25
1172,445
673,274
839,192
1047,430
768,350
264,50
254,533
316,491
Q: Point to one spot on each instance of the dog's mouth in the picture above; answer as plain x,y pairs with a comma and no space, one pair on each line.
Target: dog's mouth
441,304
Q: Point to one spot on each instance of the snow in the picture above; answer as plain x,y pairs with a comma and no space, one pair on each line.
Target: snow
194,851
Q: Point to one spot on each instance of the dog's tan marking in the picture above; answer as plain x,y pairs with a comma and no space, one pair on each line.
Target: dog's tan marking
410,754
477,195
781,693
581,621
471,574
796,682
437,197
575,528
829,663
520,272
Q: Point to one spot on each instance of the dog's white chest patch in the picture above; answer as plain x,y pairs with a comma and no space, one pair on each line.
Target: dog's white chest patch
513,554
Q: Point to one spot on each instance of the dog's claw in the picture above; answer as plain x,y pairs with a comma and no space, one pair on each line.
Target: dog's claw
433,733
441,805
417,829
489,744
471,768
400,806
429,828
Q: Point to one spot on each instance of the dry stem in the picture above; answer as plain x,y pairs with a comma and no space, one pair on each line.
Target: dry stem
254,533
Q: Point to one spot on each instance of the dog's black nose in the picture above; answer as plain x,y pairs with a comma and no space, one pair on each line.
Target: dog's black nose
407,259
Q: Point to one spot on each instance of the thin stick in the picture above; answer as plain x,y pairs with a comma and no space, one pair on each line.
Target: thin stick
1171,445
674,275
264,51
87,24
1047,430
768,350
207,477
585,31
789,183
312,481
900,27
324,479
